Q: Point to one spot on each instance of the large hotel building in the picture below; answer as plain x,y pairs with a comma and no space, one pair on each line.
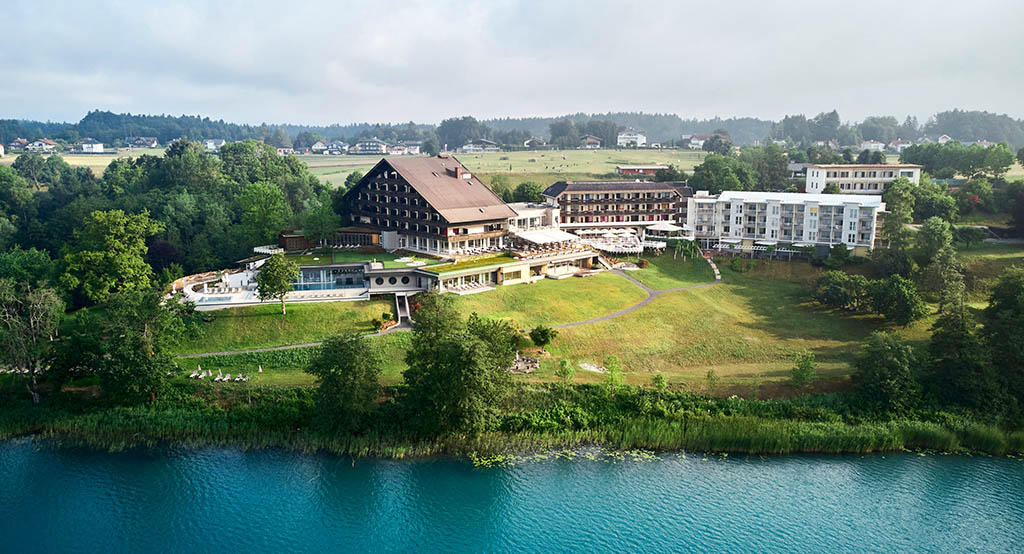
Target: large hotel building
748,219
859,178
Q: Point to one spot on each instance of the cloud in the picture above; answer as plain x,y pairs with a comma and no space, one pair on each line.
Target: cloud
331,63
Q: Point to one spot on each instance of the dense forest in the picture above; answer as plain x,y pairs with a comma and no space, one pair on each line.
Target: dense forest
111,128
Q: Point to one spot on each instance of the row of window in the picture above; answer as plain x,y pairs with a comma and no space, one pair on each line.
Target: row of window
617,196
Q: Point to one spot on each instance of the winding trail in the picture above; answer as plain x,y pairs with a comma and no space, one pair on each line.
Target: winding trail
651,295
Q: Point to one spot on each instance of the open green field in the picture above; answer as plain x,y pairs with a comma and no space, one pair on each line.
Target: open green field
668,272
746,329
551,302
263,325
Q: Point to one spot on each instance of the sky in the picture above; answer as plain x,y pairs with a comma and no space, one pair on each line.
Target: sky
338,62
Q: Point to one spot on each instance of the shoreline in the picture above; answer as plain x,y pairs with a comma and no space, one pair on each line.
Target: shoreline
715,435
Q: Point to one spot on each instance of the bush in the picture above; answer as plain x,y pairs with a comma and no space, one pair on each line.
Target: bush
805,372
642,263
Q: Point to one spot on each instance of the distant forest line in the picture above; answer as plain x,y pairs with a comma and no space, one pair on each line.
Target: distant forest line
111,128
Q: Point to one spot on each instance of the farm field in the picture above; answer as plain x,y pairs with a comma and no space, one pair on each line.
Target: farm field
96,162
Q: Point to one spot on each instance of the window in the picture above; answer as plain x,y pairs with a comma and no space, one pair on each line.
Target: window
513,275
379,280
405,280
392,280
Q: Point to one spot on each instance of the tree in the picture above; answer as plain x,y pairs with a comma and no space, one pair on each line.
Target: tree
32,267
264,212
897,300
565,373
108,254
458,370
321,219
430,147
274,281
884,374
718,144
770,165
958,369
969,235
528,192
1020,155
456,131
542,336
29,318
840,290
805,372
832,188
838,256
347,370
998,160
899,201
137,336
720,173
671,174
614,379
1002,335
934,236
564,133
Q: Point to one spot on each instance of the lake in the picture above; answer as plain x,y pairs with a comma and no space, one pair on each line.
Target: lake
226,500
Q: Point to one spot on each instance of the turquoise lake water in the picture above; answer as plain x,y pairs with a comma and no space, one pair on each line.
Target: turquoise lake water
226,500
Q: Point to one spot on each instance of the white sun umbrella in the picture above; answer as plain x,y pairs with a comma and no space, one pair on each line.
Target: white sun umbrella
610,235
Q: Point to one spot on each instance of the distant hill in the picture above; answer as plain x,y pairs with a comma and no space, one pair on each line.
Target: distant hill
110,128
658,127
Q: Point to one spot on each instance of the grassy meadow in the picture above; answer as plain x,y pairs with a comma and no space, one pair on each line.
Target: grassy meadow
263,325
669,272
551,302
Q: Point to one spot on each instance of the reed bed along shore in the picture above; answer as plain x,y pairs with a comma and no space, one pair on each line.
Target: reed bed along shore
122,428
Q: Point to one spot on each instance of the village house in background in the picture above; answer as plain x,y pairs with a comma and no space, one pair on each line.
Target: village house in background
42,146
478,146
141,142
90,145
214,145
859,178
747,220
590,142
534,142
631,138
872,146
639,169
17,145
369,146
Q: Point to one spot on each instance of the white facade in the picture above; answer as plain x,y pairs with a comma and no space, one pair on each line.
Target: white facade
1,150
872,145
631,138
214,145
318,147
780,218
41,145
532,216
372,146
859,178
91,146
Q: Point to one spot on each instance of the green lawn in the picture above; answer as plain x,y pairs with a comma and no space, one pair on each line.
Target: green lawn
263,325
472,264
551,302
984,262
668,272
349,256
393,348
746,329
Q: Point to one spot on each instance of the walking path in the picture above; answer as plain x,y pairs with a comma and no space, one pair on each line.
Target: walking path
651,295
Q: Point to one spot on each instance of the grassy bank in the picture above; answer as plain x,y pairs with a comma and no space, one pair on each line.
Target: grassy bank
263,325
284,417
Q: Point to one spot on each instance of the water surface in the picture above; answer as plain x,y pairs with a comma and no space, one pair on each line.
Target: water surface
225,500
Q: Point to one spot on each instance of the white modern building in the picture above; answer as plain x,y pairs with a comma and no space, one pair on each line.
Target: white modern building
872,146
631,137
747,220
90,146
859,178
214,145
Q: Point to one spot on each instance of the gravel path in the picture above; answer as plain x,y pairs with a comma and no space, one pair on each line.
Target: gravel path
651,295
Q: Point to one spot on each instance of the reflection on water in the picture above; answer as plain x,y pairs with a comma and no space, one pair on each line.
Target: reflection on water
73,500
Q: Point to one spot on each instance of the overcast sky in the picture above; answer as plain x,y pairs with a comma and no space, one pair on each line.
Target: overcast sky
322,62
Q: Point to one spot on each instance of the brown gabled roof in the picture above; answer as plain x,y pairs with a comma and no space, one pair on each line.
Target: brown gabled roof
441,182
